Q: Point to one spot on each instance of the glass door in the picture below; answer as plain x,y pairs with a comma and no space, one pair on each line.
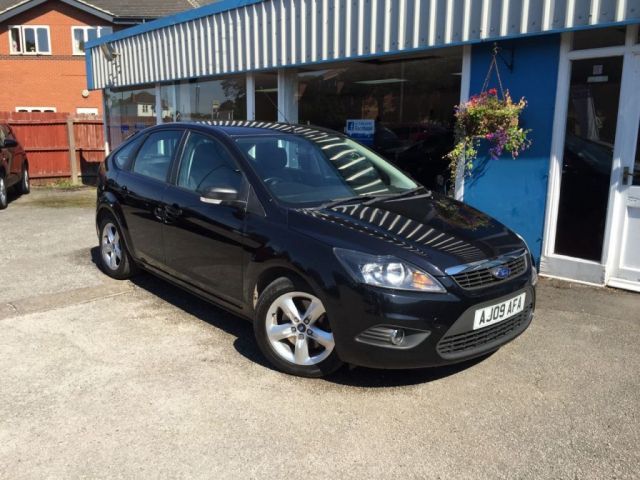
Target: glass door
626,271
266,96
590,136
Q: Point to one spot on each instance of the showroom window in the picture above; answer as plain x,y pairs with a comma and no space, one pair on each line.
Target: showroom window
129,111
81,35
29,40
223,99
410,101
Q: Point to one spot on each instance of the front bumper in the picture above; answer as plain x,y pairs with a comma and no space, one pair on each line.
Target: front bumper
438,327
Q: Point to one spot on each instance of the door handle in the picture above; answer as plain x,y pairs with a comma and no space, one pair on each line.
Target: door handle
626,175
173,210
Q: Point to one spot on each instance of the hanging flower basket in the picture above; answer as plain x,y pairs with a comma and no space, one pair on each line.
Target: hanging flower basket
490,118
486,117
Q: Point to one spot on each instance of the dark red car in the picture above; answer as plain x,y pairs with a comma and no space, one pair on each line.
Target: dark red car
14,167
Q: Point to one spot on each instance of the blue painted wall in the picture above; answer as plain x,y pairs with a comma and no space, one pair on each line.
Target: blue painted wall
514,191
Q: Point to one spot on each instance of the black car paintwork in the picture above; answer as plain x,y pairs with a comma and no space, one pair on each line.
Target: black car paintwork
204,243
13,160
224,253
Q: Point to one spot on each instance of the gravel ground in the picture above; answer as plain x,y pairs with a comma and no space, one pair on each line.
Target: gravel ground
106,379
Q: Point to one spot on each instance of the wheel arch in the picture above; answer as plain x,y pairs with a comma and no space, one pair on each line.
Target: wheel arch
270,274
108,206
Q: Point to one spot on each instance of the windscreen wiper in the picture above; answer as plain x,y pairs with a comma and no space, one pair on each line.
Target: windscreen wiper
394,196
342,201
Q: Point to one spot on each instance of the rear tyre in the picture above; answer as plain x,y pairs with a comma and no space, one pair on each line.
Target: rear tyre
4,201
115,260
293,331
25,182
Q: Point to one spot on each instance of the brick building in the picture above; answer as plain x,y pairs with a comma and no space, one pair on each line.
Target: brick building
42,63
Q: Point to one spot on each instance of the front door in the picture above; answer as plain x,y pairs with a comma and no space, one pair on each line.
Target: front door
626,268
203,242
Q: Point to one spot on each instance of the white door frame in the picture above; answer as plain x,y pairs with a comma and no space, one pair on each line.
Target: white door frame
629,132
465,86
562,266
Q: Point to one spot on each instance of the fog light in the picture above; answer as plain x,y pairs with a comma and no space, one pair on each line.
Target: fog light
397,336
392,337
534,276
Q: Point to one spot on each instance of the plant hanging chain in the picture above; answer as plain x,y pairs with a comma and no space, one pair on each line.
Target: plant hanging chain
493,65
485,117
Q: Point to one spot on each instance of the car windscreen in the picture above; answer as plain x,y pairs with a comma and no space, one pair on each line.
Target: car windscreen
303,172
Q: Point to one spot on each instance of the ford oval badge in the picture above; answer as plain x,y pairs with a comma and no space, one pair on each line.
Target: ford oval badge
501,272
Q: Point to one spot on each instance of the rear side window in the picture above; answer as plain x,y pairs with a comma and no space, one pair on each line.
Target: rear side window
123,157
154,157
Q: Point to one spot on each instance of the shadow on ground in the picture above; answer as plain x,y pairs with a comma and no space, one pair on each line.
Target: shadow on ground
245,343
12,195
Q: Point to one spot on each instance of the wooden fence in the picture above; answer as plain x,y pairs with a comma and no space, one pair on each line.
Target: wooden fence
58,145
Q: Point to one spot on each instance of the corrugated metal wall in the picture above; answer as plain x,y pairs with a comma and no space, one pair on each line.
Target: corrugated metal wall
280,33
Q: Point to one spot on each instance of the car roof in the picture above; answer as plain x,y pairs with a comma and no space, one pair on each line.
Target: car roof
247,128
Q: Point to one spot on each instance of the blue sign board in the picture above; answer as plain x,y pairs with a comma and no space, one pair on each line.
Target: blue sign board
361,130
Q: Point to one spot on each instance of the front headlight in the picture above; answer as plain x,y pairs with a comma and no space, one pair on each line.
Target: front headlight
387,272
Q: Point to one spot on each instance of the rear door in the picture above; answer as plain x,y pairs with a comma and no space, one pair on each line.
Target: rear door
141,190
203,241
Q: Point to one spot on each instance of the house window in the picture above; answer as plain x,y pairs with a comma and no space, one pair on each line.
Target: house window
86,111
30,40
82,35
36,109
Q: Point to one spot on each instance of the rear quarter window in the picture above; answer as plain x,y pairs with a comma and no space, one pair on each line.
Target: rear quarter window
124,157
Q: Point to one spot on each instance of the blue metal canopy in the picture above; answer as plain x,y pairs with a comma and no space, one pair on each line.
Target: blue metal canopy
235,36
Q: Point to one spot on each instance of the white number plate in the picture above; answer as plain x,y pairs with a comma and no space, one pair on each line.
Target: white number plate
498,312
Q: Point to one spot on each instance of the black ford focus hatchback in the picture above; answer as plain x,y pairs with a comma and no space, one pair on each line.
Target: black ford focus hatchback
333,254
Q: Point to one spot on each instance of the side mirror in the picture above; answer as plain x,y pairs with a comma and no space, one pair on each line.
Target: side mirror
218,195
9,143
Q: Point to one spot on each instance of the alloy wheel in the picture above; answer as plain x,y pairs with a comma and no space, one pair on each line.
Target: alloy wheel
110,247
298,329
25,181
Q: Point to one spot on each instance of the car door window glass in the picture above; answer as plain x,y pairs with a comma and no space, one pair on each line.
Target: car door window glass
123,157
207,164
154,158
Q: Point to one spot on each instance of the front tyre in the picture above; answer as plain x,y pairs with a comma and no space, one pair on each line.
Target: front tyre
115,260
293,331
25,181
4,200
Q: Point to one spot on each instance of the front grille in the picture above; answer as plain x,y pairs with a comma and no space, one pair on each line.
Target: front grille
483,277
461,343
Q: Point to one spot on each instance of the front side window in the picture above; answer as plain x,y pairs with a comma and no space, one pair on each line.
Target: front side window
82,35
29,40
154,158
301,172
207,164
